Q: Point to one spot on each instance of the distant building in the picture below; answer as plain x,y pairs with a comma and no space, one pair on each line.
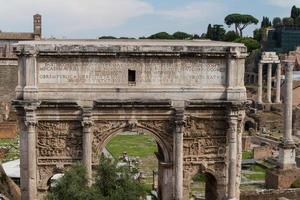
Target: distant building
9,72
282,39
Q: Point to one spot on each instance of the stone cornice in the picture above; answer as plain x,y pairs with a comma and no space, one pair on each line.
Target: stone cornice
131,48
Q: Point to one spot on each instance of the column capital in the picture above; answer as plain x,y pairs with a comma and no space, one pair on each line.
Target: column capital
30,115
31,122
180,119
87,120
232,112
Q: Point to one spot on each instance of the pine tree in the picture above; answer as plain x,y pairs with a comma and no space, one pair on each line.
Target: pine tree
209,33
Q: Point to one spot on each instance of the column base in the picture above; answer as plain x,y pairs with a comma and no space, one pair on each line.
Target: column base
287,155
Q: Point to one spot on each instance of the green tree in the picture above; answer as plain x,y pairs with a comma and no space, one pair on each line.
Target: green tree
116,183
240,21
73,186
297,21
161,35
182,35
230,36
277,22
107,37
265,23
295,12
209,32
250,43
218,32
111,183
287,21
257,34
196,36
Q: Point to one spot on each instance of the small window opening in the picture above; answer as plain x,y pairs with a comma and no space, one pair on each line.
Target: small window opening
131,77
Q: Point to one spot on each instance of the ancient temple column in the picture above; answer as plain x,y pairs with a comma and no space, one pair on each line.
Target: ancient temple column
278,83
288,104
87,125
287,148
31,153
179,126
269,83
260,75
232,165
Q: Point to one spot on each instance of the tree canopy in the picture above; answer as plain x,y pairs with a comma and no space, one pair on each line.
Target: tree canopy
295,12
111,183
215,32
182,35
287,21
250,43
240,21
161,35
277,22
265,23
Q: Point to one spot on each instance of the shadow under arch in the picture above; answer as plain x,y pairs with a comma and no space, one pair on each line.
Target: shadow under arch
164,143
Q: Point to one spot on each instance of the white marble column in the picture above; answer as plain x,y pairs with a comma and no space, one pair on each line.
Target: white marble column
260,84
87,124
269,83
287,148
30,122
278,83
232,165
179,127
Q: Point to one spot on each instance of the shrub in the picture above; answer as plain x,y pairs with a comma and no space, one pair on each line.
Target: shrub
250,43
111,183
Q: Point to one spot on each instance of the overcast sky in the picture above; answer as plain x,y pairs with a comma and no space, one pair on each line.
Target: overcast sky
131,18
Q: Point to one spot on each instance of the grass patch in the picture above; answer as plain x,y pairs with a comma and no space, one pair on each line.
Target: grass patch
13,146
256,176
257,168
296,184
259,173
134,145
142,146
247,155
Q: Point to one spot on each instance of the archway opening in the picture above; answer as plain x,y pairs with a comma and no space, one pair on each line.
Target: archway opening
141,153
249,125
203,187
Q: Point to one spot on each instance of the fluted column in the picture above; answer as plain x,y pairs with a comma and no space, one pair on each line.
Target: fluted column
87,124
232,165
287,148
278,83
179,127
269,83
31,122
259,89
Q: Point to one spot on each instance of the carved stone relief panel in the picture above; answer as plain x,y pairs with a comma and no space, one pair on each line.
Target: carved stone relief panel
45,172
162,129
204,139
59,142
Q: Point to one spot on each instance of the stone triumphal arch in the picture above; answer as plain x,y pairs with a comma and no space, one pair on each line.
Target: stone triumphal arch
72,96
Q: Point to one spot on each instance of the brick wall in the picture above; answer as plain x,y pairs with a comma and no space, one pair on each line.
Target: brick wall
292,194
8,83
262,152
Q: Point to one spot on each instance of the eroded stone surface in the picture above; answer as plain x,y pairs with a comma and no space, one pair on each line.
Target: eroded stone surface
189,95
